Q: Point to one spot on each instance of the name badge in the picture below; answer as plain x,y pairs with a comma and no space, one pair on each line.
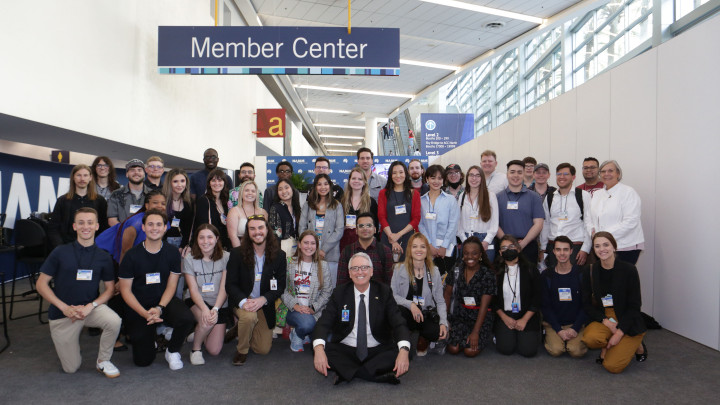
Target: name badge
607,301
175,223
515,307
431,216
345,315
208,287
475,215
469,301
152,278
400,209
223,219
350,220
273,284
303,289
319,222
84,275
258,276
565,294
563,216
419,300
513,205
134,208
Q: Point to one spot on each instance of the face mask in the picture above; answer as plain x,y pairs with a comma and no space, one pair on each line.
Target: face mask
455,185
510,255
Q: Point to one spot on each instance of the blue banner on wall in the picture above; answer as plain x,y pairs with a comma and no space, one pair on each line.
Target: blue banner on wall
340,166
444,132
278,50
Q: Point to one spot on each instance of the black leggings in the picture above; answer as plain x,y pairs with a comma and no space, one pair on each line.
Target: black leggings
429,330
175,315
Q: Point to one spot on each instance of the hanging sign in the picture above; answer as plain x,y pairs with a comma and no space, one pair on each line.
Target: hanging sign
279,50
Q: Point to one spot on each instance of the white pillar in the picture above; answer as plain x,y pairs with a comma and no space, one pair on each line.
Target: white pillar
371,134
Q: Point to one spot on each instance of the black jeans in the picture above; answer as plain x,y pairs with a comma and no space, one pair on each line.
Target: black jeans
175,315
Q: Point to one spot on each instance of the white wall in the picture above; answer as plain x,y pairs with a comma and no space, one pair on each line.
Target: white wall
91,66
657,116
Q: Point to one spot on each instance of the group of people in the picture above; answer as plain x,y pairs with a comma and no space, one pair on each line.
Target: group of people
369,275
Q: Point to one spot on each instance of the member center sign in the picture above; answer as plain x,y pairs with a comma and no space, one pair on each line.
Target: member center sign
279,50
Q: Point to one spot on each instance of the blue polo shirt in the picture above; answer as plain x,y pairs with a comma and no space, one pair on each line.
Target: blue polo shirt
71,286
517,222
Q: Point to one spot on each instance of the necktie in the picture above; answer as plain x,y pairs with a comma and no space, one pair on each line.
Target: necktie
362,350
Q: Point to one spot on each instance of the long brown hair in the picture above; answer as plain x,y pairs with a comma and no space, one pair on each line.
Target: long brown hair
315,257
91,191
112,176
408,256
167,189
272,245
314,198
217,253
224,193
483,196
365,202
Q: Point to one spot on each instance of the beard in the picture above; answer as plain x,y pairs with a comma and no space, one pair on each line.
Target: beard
136,182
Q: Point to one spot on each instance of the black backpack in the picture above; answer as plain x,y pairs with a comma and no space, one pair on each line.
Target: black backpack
578,198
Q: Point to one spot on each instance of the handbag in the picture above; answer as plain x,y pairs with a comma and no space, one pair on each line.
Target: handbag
431,313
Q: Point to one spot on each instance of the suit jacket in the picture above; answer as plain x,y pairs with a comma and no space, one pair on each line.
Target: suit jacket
386,321
241,278
625,289
530,294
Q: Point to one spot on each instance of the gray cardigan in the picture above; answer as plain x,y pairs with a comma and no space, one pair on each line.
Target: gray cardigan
401,285
318,297
332,230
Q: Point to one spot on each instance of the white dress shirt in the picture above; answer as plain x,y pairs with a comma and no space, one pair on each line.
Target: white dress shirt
511,279
496,182
470,221
557,224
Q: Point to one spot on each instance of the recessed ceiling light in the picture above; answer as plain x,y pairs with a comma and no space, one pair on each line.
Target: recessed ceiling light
428,64
486,10
370,92
341,150
342,136
341,126
325,110
338,144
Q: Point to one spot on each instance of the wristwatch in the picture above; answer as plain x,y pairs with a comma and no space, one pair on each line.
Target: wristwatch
405,348
162,308
216,309
95,304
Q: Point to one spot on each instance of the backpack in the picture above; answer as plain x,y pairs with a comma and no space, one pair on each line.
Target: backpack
578,198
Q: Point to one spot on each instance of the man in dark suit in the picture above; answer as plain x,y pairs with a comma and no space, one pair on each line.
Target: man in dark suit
363,318
256,274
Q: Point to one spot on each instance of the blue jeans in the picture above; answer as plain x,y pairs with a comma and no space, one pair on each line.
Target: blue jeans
303,323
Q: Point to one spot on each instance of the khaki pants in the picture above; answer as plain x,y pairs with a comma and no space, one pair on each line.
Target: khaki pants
556,346
253,332
66,336
618,357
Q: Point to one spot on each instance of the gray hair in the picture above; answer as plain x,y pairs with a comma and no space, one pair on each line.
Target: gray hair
363,255
617,166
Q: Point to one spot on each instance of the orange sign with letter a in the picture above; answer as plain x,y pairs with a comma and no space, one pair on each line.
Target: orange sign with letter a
271,123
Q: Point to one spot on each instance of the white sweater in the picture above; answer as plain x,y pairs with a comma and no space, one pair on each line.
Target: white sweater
618,211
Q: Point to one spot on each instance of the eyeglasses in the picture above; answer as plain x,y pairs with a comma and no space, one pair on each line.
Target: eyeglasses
359,268
210,157
508,247
283,171
475,175
563,174
256,216
102,166
361,226
450,173
246,172
155,167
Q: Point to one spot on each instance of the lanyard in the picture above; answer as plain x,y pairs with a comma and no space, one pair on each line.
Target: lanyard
204,273
513,290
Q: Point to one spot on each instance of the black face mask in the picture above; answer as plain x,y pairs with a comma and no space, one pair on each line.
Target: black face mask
455,185
510,255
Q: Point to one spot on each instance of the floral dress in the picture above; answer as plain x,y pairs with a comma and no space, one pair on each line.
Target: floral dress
462,319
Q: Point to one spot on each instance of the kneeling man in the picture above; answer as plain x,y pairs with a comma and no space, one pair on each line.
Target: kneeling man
363,318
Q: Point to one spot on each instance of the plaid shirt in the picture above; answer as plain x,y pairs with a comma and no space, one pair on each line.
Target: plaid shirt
380,255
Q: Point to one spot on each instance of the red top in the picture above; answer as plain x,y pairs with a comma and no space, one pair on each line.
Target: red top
415,210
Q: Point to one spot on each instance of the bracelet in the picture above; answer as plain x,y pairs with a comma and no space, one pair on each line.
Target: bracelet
216,309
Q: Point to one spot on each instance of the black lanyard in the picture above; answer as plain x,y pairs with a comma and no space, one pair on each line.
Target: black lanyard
517,276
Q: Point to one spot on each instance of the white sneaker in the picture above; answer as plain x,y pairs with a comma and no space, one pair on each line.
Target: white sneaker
196,358
108,369
173,360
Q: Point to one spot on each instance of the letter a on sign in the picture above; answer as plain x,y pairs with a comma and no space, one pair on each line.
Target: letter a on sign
271,123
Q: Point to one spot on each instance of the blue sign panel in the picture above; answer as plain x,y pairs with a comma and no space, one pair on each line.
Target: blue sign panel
278,50
444,132
340,166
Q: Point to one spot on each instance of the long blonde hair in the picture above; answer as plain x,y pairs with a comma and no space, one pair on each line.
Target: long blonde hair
408,256
242,192
315,257
91,191
365,202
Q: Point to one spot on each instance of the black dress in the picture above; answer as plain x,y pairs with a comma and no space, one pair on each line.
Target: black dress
462,319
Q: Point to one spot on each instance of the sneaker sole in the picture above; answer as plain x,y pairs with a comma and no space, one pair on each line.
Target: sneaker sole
107,375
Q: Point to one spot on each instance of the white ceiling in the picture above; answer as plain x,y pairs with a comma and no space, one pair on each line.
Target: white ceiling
428,33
